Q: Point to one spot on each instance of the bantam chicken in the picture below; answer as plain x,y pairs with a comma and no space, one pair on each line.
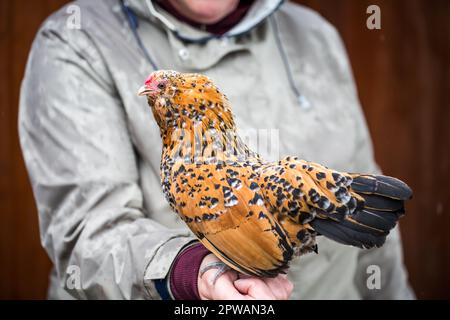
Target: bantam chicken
254,215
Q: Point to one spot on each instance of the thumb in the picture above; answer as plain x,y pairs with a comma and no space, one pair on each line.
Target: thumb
243,285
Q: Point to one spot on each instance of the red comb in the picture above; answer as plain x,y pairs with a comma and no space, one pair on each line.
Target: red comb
149,80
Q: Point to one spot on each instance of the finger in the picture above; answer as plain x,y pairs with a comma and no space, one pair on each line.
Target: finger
254,288
290,286
277,288
280,286
205,283
287,284
224,289
208,288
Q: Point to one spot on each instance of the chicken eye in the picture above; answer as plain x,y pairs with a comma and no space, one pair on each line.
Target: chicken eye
161,86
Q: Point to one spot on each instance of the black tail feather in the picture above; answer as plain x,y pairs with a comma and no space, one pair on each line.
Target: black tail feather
347,234
368,227
381,185
381,203
383,221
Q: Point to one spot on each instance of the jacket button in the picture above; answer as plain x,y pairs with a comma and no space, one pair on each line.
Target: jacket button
183,53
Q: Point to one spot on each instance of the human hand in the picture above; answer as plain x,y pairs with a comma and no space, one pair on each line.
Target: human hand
234,286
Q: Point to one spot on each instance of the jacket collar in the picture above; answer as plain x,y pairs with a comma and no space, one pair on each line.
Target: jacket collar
185,39
260,10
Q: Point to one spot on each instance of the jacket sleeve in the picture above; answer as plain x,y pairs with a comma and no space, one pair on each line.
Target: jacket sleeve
388,258
83,171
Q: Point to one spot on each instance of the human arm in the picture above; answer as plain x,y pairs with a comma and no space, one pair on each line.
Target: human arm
82,167
186,282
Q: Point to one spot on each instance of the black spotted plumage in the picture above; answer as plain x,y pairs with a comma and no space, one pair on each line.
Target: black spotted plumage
253,214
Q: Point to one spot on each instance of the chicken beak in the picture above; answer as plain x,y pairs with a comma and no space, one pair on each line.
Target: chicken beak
144,91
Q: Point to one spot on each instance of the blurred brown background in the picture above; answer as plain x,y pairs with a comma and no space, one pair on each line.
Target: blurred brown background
403,76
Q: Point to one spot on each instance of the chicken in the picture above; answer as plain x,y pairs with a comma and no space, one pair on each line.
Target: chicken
254,215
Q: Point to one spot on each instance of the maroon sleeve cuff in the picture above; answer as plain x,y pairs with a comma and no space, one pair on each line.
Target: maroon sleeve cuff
184,273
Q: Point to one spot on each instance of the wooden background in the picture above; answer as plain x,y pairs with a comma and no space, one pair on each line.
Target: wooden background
402,72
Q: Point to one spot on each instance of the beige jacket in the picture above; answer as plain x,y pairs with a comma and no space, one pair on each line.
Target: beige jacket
92,148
